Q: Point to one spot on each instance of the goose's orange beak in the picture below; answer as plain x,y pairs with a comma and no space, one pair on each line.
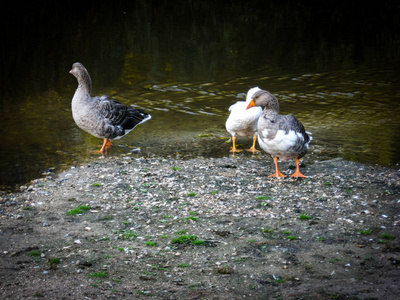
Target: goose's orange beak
251,104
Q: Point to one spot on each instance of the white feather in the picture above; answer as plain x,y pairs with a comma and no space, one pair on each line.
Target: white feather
242,121
281,145
251,92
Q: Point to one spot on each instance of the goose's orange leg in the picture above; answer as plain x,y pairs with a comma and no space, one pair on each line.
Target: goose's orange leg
297,174
277,174
106,145
234,149
253,148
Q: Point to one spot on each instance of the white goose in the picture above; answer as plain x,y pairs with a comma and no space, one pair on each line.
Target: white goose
243,122
282,136
101,116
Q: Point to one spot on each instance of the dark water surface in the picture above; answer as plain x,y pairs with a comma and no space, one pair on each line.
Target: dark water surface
334,66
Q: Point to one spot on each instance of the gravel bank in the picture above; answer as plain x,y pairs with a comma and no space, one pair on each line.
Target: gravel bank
128,227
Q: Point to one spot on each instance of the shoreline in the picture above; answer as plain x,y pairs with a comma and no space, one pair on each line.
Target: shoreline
116,227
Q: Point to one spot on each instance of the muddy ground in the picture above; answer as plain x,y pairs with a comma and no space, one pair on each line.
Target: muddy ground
133,227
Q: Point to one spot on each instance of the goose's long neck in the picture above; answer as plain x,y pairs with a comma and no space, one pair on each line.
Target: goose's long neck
85,83
272,106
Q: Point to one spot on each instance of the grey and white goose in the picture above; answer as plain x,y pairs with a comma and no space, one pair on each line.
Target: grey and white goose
281,136
101,116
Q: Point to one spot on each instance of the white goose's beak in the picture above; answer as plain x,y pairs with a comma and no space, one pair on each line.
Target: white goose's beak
251,104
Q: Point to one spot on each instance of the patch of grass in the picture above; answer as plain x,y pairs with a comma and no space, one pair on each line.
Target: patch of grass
388,192
332,296
79,210
263,198
279,280
252,241
328,183
240,259
145,272
54,261
305,217
27,207
197,242
35,253
192,194
127,235
101,274
289,236
213,192
183,265
96,184
151,244
187,239
158,267
183,239
387,236
175,168
320,239
365,231
38,295
191,218
195,285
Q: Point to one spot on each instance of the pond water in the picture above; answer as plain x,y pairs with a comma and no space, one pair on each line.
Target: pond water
335,67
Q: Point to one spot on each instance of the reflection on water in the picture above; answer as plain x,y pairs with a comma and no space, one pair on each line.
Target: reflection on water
185,63
349,113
